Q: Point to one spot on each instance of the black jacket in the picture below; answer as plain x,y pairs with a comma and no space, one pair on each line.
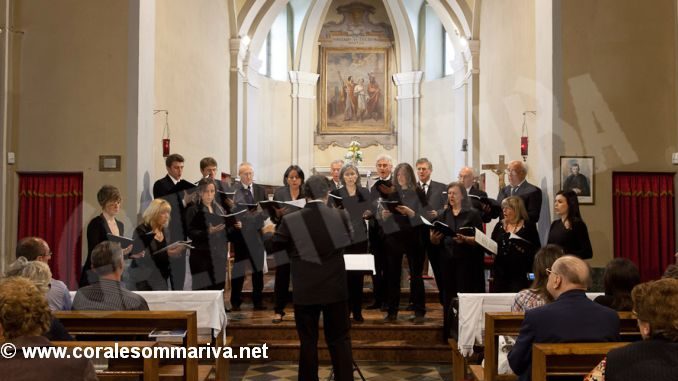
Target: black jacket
531,196
654,359
314,238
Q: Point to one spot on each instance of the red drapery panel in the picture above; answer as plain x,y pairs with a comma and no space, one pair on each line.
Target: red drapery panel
643,214
50,207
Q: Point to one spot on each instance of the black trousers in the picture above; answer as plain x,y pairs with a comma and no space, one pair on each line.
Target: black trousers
281,288
337,336
243,263
178,271
433,253
461,273
379,278
355,280
404,242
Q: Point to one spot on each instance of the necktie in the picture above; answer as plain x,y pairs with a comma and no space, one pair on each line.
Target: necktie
424,186
249,198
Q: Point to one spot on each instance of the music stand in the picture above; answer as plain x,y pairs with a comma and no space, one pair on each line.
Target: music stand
355,369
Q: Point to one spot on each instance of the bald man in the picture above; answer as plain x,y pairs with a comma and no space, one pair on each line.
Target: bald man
571,317
518,186
489,210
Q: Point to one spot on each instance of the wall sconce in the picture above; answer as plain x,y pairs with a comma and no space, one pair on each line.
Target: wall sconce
165,134
524,143
464,145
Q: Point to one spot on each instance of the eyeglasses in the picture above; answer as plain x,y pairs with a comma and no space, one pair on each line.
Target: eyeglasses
549,271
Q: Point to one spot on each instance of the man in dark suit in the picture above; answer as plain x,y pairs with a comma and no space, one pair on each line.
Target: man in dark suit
171,188
315,238
436,195
488,209
208,168
247,243
571,317
335,170
518,186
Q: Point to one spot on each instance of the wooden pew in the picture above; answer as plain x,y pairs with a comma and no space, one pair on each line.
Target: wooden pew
567,359
120,323
148,368
458,362
508,324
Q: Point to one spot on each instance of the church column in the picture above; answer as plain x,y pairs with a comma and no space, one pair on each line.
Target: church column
409,93
140,104
5,10
303,117
548,94
472,104
234,100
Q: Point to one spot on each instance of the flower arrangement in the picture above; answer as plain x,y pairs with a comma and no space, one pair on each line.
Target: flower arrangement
354,153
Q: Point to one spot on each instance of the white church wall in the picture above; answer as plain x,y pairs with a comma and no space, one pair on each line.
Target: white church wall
442,127
191,81
619,102
507,84
269,129
70,86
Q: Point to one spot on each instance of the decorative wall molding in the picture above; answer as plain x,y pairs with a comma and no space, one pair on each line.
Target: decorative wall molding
325,141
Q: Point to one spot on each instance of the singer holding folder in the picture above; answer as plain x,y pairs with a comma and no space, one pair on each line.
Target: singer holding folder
461,260
207,229
99,227
150,268
517,243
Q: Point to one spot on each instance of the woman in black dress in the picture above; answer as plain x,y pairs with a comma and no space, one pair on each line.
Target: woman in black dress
208,231
150,270
517,243
461,260
400,236
293,179
570,231
355,199
99,227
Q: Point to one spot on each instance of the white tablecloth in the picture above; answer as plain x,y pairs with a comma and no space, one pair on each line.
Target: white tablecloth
472,309
208,304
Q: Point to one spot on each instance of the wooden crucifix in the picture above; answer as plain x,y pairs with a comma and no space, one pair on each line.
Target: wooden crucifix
498,169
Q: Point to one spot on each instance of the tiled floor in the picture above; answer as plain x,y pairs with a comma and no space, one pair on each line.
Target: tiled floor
371,371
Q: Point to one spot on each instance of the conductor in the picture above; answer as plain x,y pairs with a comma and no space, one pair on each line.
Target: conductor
314,238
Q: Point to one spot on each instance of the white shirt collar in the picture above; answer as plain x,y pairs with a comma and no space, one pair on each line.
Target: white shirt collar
175,181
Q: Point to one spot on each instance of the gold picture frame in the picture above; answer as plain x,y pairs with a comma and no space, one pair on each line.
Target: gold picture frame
355,91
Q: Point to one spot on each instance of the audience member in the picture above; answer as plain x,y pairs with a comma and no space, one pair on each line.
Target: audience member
39,273
671,272
537,295
571,317
108,294
36,249
621,276
24,318
656,356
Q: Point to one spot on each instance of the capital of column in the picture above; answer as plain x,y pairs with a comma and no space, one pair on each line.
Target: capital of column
408,84
304,84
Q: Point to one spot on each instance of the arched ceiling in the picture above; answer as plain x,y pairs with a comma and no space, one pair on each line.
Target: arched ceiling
255,18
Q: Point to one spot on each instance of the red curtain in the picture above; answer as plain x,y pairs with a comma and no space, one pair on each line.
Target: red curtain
643,214
50,207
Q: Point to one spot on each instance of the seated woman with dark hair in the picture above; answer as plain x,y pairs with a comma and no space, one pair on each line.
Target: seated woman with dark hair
656,356
537,295
621,276
24,318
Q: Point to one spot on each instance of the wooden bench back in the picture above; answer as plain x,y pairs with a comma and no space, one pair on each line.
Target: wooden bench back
508,324
115,323
567,359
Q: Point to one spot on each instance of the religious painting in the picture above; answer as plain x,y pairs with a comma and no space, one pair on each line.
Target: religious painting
354,91
577,174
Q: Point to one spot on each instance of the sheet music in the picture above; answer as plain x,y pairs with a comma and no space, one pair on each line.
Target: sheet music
359,262
485,241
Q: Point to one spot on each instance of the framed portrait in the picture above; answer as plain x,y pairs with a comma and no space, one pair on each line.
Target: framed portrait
577,174
354,91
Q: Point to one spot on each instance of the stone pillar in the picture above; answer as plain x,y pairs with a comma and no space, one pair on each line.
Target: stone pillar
473,104
407,122
304,112
236,49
